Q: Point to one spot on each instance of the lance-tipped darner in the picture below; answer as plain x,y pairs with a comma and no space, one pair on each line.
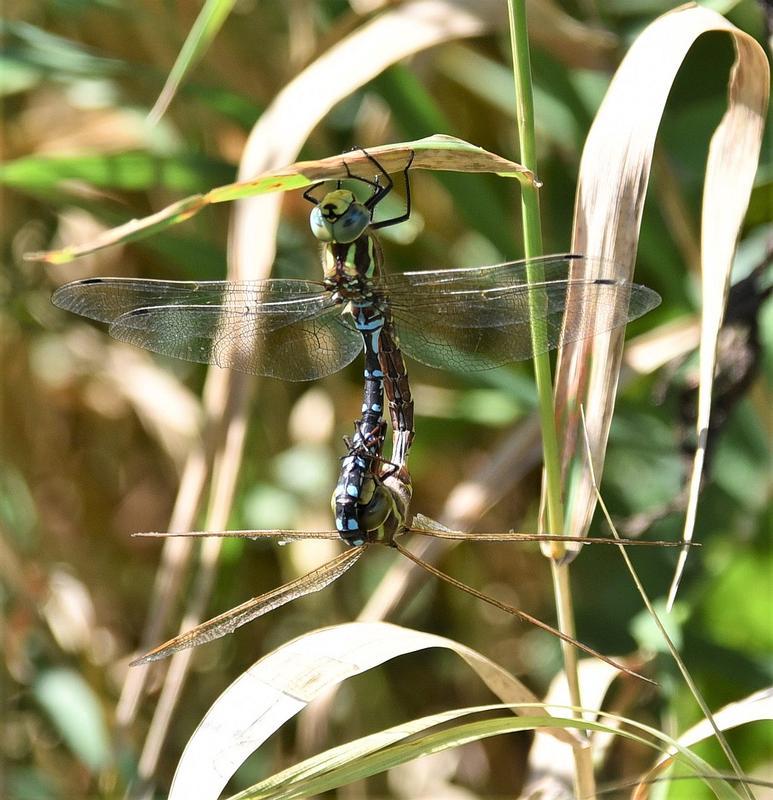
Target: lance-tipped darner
352,260
462,319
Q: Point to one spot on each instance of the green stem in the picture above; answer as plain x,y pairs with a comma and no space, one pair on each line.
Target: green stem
532,241
532,237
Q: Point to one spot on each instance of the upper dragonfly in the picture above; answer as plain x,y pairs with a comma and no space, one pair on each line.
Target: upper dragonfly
460,319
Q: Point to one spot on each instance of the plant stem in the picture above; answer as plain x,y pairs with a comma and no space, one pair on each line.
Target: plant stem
532,241
532,237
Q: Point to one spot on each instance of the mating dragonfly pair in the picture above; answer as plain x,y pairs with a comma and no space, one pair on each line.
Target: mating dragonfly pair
460,319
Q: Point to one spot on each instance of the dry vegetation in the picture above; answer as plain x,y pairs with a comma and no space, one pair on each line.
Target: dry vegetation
99,440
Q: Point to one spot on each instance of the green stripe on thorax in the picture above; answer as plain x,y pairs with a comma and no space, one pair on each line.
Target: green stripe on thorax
358,260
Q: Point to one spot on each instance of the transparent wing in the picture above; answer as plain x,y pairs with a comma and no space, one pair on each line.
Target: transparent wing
482,317
426,526
106,299
463,319
231,620
248,340
275,535
280,328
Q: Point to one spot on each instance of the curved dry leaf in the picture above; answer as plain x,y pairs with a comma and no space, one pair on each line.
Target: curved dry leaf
393,749
389,750
614,173
438,152
282,683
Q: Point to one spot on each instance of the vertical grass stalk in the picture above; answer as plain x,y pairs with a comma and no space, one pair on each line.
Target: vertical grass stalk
532,236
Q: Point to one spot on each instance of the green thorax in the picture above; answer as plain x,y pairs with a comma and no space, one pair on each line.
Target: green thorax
351,254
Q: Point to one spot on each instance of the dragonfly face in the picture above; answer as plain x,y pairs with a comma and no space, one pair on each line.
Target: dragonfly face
338,217
366,510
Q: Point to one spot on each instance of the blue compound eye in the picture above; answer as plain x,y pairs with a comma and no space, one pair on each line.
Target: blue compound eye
339,218
320,227
352,224
377,510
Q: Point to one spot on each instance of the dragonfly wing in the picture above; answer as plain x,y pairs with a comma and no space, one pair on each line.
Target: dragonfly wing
483,317
106,299
231,620
276,535
421,522
288,329
245,340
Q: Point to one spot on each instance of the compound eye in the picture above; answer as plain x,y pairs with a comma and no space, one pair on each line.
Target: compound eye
352,224
377,510
320,227
367,490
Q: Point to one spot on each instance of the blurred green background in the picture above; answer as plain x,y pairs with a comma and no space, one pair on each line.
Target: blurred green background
93,434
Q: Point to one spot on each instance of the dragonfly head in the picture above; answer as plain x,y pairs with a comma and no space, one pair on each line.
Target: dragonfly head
365,521
338,217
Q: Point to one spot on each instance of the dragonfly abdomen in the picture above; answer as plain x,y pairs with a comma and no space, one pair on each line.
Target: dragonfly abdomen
349,272
352,269
398,392
351,492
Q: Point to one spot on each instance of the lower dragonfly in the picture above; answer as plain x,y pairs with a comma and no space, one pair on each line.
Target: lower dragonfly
383,500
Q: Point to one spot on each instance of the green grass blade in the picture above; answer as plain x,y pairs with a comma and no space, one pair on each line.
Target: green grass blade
205,28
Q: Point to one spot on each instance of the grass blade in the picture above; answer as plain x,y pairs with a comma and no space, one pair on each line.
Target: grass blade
284,682
204,29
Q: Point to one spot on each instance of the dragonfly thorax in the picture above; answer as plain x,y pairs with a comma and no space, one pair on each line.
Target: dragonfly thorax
349,269
338,217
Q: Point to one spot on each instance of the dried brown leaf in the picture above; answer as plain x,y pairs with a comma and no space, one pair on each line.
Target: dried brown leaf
614,173
280,685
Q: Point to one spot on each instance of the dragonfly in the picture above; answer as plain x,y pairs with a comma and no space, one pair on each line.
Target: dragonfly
352,258
460,319
384,500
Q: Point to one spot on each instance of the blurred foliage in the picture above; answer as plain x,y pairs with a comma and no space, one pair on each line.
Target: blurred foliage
91,447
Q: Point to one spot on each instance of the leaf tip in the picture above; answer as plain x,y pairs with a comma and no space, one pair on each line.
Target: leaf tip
48,256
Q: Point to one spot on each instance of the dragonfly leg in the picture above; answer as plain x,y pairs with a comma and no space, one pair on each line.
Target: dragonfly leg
385,223
380,190
308,194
